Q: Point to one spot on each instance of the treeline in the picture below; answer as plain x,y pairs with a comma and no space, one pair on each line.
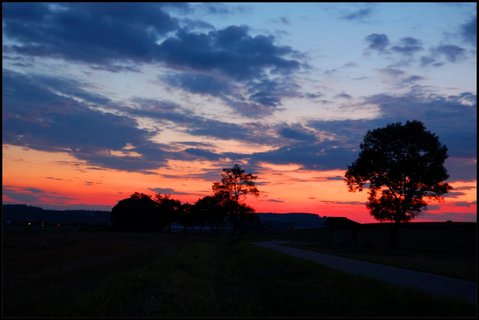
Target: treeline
141,212
20,214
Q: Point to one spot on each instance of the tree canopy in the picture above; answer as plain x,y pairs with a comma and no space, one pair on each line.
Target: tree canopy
401,165
141,212
235,184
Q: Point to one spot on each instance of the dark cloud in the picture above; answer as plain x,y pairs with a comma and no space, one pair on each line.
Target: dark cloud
411,80
190,24
297,132
452,53
38,117
311,156
118,37
200,83
253,98
378,42
94,33
33,196
255,132
359,15
167,191
228,62
343,96
462,169
231,51
426,61
275,200
452,118
469,31
222,8
407,46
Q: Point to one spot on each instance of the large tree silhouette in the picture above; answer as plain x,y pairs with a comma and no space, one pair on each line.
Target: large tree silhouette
234,186
401,165
136,213
140,212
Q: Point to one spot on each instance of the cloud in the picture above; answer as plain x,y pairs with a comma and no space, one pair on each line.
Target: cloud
297,132
33,196
425,61
275,200
378,42
411,80
358,15
222,8
452,53
46,114
392,73
195,125
98,34
119,37
200,83
253,98
407,46
468,31
39,114
251,74
453,118
343,96
168,191
311,156
230,51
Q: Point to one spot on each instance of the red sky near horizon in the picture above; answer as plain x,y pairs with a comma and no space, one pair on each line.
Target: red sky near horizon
59,181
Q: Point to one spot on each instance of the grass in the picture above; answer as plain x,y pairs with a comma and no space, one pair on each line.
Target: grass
127,274
459,264
446,264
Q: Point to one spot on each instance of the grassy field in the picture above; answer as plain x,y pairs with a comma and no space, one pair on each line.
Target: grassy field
457,264
127,274
447,264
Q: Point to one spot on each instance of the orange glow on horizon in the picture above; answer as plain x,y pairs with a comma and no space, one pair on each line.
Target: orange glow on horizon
65,180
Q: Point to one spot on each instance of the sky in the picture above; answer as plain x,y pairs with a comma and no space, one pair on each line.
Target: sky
101,100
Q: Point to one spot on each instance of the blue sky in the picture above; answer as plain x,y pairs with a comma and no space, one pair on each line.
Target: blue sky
135,86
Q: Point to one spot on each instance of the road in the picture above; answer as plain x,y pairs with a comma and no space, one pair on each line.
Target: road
430,283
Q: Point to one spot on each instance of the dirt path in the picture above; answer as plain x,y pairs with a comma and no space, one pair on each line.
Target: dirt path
430,283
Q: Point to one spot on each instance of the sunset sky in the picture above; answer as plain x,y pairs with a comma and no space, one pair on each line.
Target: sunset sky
101,100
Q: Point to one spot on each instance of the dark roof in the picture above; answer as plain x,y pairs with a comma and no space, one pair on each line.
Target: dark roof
340,222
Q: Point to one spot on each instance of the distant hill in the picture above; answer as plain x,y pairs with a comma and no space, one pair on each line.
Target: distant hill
24,213
301,220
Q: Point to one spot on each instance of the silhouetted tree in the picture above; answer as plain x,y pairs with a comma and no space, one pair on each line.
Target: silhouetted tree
168,210
185,216
234,186
402,164
140,212
211,210
136,213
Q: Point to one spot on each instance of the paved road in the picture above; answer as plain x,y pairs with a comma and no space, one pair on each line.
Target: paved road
432,284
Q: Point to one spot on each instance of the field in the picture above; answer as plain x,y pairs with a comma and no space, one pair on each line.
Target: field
185,275
446,264
459,263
